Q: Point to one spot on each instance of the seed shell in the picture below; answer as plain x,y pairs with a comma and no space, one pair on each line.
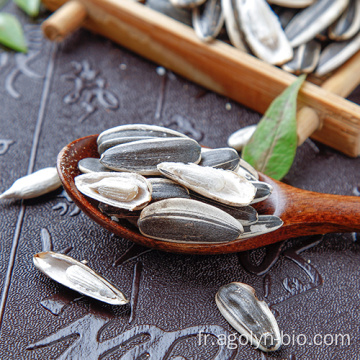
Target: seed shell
77,276
263,32
252,318
36,184
184,220
231,16
241,137
133,190
221,185
144,156
208,19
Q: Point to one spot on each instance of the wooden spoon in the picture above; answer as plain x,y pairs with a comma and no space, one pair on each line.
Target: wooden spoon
303,212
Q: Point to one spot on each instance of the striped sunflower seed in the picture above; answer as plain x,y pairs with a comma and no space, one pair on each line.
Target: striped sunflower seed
312,20
221,158
144,156
134,132
252,318
184,220
208,19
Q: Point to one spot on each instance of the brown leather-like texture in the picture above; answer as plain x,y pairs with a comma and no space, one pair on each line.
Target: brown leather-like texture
57,93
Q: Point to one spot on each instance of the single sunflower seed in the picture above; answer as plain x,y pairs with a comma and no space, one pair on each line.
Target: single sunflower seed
312,20
77,276
144,156
36,184
249,316
185,220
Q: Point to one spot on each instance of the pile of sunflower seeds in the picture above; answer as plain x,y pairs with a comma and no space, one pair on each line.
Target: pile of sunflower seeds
302,36
172,189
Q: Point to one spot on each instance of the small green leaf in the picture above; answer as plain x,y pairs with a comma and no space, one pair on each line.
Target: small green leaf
11,34
31,7
272,147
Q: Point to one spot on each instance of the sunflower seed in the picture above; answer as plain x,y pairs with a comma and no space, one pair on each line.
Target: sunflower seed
208,19
166,189
263,191
336,54
124,190
348,24
133,132
265,224
79,277
138,130
241,137
263,32
221,185
143,156
312,20
305,60
246,215
221,158
36,184
231,17
184,220
252,318
89,165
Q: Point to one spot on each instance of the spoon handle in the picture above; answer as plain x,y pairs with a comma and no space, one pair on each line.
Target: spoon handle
325,213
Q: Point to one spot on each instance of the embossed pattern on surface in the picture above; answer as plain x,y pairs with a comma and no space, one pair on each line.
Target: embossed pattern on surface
57,93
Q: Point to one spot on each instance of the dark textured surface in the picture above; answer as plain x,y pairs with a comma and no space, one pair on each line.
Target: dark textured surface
58,93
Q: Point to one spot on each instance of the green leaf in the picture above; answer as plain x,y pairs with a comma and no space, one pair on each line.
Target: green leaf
272,147
11,34
31,7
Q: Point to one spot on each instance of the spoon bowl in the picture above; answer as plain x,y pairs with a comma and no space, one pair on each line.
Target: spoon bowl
303,212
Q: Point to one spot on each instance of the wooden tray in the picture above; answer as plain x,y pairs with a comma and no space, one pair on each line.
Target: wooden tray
217,66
